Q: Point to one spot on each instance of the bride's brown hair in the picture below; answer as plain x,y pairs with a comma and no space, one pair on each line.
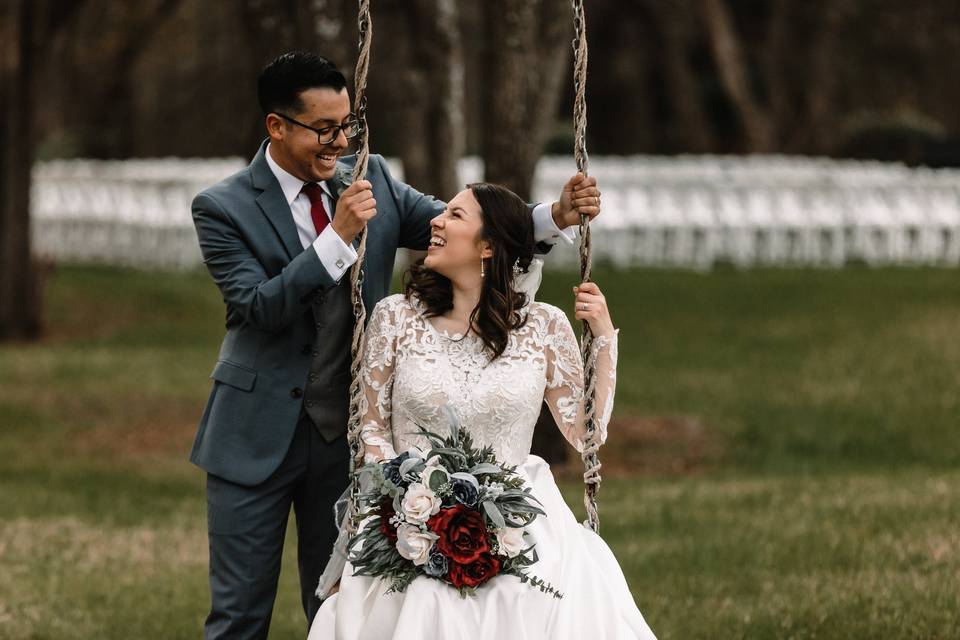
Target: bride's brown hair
508,227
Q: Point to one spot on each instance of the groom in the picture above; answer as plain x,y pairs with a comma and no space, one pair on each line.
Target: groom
278,238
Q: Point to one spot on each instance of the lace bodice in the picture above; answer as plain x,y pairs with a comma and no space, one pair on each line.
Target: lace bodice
411,370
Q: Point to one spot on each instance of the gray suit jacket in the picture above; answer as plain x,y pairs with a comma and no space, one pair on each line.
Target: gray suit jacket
268,282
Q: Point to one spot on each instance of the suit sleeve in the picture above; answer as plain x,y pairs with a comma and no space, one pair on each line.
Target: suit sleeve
270,304
416,209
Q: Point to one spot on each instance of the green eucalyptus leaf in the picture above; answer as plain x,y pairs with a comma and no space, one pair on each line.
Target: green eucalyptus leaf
494,514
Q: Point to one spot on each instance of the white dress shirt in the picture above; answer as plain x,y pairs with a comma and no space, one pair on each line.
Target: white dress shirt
337,256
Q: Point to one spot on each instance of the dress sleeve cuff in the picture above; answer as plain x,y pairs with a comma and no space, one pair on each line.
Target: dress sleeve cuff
335,254
546,230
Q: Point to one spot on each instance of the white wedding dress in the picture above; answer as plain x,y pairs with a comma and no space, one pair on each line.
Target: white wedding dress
410,371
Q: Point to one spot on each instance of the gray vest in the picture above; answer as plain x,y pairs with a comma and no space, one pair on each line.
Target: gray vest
326,397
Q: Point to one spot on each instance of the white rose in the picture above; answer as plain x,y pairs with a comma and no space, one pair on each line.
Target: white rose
510,540
413,544
419,503
433,464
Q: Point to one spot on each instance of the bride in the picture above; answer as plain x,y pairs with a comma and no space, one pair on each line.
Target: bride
464,337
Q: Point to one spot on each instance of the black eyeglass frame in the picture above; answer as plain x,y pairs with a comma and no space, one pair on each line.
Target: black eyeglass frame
336,129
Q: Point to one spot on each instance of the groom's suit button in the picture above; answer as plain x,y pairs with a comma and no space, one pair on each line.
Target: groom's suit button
296,392
305,350
312,377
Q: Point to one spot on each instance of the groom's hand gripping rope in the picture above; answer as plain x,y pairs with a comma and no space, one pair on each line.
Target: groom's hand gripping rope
580,196
355,208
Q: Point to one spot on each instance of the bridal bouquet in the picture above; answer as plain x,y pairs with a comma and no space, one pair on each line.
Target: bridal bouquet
451,513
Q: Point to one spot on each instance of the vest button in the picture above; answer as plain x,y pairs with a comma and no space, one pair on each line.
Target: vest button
306,350
312,377
296,392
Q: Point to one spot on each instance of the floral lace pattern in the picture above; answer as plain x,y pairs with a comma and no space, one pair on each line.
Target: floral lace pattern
411,370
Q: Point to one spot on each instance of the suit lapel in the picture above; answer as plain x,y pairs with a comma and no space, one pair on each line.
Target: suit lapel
274,204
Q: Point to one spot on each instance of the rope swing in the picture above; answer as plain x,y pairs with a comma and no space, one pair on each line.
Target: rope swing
591,462
356,272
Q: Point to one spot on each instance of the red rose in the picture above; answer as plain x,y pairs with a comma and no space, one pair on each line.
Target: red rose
475,573
387,512
462,531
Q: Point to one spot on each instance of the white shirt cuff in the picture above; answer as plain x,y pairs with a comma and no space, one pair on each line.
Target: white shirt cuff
336,255
546,230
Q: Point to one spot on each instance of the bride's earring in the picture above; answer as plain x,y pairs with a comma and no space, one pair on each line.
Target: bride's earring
482,272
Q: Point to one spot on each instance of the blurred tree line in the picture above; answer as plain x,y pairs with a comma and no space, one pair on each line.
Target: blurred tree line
106,79
176,77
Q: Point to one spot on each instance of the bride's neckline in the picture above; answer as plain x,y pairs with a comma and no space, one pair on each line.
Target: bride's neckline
457,336
419,308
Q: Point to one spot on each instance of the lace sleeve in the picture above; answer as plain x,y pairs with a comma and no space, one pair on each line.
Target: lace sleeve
564,390
379,358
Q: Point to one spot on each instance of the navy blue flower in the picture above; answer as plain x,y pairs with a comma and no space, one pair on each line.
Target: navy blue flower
464,492
436,565
391,469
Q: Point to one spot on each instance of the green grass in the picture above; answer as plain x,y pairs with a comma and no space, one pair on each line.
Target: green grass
796,370
825,502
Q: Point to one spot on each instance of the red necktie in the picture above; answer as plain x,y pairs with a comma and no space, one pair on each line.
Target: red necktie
317,211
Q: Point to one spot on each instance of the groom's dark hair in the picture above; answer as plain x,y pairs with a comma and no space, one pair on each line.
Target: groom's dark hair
286,76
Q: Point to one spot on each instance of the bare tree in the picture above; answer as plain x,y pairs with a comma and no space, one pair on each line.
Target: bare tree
28,27
114,102
806,127
25,26
732,67
19,296
420,70
679,33
527,53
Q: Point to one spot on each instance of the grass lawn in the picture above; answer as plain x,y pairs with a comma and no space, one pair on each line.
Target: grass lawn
784,458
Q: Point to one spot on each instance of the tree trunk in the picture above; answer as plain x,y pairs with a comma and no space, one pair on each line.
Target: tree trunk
526,54
731,65
118,91
692,131
448,135
20,299
506,146
776,52
815,133
429,63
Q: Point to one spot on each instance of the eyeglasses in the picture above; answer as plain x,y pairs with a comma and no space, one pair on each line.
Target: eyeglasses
326,135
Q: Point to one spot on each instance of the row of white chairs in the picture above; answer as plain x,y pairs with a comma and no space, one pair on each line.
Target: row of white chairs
685,211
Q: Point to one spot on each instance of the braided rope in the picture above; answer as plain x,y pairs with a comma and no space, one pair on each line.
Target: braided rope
591,462
356,272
